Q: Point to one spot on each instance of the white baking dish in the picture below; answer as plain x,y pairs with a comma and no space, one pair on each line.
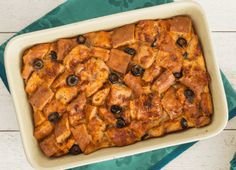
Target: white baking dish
13,57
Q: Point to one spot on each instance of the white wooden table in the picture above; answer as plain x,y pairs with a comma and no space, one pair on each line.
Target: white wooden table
214,153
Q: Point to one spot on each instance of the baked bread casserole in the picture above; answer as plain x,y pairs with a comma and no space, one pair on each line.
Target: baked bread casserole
117,87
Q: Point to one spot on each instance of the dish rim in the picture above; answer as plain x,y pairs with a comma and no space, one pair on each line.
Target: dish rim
13,88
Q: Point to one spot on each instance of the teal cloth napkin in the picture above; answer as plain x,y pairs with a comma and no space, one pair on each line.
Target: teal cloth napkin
233,163
78,10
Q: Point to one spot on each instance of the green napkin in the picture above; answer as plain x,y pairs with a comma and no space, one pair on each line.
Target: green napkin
78,10
233,163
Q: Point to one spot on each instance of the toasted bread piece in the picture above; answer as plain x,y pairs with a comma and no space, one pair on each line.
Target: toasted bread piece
100,97
181,24
64,46
62,129
123,36
81,136
99,39
119,95
49,146
164,81
43,130
101,53
36,52
118,61
146,30
77,55
41,97
146,56
134,83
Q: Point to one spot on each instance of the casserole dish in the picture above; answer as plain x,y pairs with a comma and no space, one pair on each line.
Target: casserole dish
13,68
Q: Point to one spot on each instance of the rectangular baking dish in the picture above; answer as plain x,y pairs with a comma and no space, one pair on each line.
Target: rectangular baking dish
13,57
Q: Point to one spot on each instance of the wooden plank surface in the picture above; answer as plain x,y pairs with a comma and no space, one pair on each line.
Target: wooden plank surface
12,155
210,154
221,14
214,153
17,14
5,36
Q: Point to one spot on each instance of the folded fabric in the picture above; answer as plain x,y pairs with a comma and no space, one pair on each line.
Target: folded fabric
233,163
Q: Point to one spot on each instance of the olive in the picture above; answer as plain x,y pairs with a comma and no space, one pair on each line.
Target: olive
114,78
53,55
184,123
148,102
130,51
38,64
144,136
137,70
72,80
75,150
81,39
178,74
154,43
116,109
185,55
53,117
189,94
120,122
181,42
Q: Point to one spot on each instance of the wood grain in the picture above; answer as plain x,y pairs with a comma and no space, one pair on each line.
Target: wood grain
221,14
5,36
211,154
17,14
225,50
7,112
12,155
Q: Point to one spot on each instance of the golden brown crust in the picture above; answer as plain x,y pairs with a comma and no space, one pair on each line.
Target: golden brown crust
146,56
123,36
99,39
134,83
117,87
146,30
163,82
41,97
118,61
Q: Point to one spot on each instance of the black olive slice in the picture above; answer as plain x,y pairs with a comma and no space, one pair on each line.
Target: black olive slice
116,109
184,123
144,136
72,80
38,64
185,55
181,42
53,55
120,122
81,39
154,43
137,70
189,94
113,78
75,150
53,117
178,74
130,51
